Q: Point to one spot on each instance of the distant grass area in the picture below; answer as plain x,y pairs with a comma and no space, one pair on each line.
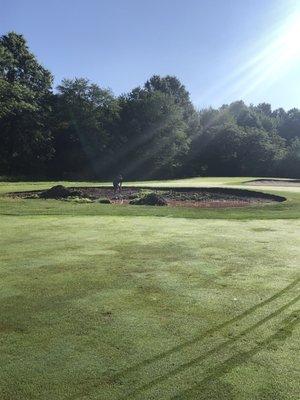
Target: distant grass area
112,302
188,182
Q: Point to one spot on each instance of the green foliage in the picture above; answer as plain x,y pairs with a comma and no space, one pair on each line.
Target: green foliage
19,65
84,131
240,140
25,139
289,124
155,133
85,119
291,161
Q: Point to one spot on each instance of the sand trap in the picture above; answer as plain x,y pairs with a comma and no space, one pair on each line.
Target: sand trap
274,182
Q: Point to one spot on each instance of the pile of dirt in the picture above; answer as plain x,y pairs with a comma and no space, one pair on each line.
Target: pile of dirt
59,192
104,201
150,199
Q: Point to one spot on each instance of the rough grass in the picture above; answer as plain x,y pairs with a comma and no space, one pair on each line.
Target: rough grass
138,307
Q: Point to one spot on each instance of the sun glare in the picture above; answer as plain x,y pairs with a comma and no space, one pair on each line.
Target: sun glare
291,38
260,67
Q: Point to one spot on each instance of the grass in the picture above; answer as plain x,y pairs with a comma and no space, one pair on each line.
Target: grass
107,302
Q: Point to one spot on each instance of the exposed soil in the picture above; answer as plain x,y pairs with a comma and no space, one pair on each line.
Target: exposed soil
274,182
184,197
59,192
150,199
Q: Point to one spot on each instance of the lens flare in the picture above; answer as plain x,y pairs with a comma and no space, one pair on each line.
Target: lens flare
291,39
277,52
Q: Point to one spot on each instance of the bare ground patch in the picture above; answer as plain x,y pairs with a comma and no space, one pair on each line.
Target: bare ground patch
183,197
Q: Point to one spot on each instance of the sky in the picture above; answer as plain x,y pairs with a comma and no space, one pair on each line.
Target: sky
221,50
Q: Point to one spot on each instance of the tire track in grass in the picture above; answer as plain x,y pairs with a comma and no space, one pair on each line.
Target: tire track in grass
207,333
234,361
216,349
197,339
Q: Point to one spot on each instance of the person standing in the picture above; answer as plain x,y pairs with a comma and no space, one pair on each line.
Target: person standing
117,183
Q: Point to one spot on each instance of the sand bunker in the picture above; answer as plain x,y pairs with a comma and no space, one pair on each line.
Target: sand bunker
274,182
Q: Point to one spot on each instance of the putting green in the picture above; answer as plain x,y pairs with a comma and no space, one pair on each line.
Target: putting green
100,303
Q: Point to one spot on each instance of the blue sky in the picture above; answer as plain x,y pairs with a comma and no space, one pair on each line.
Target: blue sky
222,50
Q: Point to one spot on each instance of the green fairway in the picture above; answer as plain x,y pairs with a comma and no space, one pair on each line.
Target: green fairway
135,302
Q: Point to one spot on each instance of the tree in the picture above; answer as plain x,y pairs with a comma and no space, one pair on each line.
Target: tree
155,134
210,121
85,116
289,124
25,137
290,164
264,108
259,152
222,152
172,86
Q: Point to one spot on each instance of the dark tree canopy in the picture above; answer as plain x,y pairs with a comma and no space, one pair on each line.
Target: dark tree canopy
19,65
155,132
81,130
25,137
85,117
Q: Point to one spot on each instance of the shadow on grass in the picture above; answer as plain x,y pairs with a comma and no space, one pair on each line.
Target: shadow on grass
216,349
214,373
209,331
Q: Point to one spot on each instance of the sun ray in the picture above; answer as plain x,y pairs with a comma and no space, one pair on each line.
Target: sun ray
276,53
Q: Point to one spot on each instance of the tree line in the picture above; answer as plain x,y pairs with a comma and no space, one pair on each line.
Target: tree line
83,131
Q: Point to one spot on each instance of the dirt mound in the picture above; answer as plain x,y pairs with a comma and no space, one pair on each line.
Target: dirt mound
104,201
150,199
59,192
